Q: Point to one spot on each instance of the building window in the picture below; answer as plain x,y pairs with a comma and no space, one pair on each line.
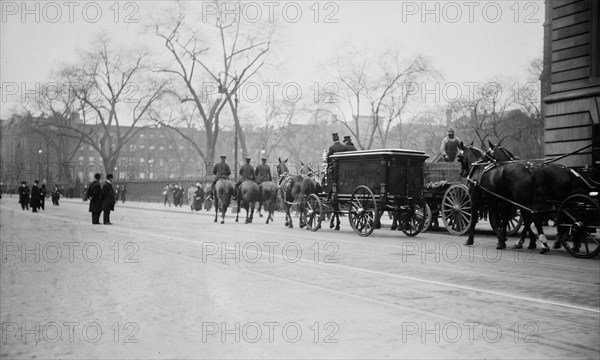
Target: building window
151,175
90,147
162,147
141,135
91,159
151,147
180,147
132,147
142,147
142,176
141,160
80,158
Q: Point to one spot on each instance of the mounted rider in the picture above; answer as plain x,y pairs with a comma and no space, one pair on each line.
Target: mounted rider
221,171
262,172
246,173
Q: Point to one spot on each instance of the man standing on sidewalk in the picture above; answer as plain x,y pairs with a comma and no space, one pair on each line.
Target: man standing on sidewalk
93,194
108,199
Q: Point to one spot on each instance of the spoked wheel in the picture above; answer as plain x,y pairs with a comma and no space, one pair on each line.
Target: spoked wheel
578,223
363,211
415,219
456,209
514,223
313,212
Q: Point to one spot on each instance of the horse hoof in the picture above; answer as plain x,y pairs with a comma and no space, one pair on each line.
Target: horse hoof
302,226
532,246
517,246
394,227
337,228
222,221
236,220
557,245
545,249
215,220
501,246
469,243
331,225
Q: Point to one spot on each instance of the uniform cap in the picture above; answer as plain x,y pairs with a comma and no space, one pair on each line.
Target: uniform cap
264,159
450,131
223,157
247,159
109,176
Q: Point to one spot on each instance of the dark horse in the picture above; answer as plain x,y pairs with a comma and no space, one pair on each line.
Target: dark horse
294,188
489,181
222,193
267,192
247,196
553,183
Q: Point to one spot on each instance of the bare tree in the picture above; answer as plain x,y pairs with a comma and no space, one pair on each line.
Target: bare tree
374,85
116,89
240,53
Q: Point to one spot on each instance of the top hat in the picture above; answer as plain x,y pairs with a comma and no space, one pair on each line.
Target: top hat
347,138
223,157
23,182
97,176
248,159
336,137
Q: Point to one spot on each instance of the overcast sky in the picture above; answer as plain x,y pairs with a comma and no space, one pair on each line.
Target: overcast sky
465,41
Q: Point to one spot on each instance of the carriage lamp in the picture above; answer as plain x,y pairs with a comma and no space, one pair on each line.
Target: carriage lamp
594,193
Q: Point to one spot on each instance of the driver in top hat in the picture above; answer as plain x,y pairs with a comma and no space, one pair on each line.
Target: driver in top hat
449,148
337,146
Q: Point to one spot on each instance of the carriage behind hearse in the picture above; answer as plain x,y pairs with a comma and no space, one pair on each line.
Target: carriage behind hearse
365,184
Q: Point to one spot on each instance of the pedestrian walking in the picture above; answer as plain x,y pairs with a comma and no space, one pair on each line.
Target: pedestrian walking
35,197
55,194
123,194
94,195
191,194
107,197
166,191
24,195
43,192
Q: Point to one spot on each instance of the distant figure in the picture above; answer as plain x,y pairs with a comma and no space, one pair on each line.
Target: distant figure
55,194
191,195
166,191
94,195
449,148
178,195
246,173
348,144
35,197
198,197
108,199
123,194
43,192
24,195
208,196
117,193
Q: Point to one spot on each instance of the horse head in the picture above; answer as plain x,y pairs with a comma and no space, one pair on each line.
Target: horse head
499,153
468,156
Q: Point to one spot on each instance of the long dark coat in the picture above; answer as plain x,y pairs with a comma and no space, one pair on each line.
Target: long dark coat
36,198
24,194
108,197
94,193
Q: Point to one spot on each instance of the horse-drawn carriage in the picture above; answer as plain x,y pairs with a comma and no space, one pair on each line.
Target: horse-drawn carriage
365,184
447,196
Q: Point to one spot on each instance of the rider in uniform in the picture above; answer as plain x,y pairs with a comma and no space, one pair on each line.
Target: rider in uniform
246,173
221,171
449,148
262,172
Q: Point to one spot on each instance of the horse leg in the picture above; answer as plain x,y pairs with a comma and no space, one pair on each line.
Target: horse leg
394,221
302,206
538,225
288,217
471,230
238,209
216,208
502,229
337,221
526,230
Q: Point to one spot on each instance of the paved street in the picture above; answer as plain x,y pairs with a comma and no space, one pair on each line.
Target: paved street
168,283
